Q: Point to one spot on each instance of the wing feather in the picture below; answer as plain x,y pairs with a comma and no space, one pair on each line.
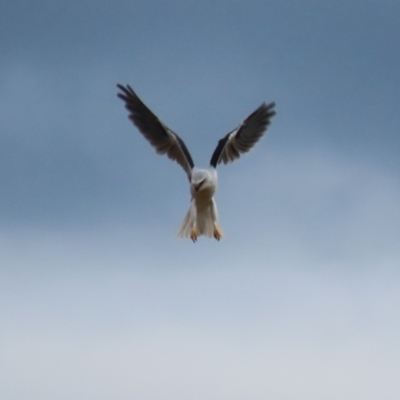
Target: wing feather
163,139
244,137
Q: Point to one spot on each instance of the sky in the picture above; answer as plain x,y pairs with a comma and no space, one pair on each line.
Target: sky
98,297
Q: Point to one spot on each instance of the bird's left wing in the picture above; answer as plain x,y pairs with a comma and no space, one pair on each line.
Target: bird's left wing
244,137
163,139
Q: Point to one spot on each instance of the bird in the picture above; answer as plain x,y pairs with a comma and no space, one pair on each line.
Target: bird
202,216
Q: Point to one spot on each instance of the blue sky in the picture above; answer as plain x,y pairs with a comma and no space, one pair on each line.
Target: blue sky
100,300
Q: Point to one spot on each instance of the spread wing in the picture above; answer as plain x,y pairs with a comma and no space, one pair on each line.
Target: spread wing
163,139
244,137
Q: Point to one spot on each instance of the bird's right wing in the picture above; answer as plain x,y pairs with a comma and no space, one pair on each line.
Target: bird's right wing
244,137
163,139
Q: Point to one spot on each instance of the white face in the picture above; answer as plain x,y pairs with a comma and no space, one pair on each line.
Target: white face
201,185
198,175
200,180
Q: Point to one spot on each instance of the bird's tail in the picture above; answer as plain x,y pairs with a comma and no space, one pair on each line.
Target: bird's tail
185,231
199,222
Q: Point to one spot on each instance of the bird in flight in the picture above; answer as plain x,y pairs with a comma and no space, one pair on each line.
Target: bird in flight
202,218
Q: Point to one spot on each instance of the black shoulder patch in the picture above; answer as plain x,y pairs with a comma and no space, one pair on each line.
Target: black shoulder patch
218,150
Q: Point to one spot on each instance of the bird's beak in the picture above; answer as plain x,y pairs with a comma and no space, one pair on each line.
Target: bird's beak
199,185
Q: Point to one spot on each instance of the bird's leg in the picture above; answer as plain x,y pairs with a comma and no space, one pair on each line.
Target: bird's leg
217,232
194,234
214,216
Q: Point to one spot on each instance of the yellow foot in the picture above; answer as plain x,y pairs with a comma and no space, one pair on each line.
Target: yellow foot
217,232
193,234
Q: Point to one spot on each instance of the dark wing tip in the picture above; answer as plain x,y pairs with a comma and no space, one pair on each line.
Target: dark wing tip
265,110
127,92
269,109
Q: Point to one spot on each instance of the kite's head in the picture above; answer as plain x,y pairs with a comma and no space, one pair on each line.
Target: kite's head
202,179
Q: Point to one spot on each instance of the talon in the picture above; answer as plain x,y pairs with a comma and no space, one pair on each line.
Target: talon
217,232
193,234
